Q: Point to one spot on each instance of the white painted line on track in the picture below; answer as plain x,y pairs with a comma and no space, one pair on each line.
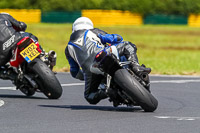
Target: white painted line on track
73,84
154,82
174,76
7,88
178,118
176,81
14,88
1,102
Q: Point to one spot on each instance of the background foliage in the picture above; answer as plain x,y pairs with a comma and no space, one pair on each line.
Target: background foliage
179,7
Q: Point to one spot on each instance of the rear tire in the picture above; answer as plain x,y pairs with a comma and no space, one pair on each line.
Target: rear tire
135,91
46,79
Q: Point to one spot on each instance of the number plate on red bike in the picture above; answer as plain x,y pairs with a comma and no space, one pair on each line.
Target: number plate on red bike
30,52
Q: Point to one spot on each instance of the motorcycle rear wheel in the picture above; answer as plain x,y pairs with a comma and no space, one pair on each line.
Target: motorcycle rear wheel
46,79
135,91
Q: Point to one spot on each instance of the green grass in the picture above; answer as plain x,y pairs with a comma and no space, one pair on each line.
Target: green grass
167,49
53,37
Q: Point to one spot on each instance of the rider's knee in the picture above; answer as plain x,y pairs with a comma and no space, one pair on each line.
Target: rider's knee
130,45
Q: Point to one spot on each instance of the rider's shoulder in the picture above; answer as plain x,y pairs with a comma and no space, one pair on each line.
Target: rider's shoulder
98,31
77,34
4,15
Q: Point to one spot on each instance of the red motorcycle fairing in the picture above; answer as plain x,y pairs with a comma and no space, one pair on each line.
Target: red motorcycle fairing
17,59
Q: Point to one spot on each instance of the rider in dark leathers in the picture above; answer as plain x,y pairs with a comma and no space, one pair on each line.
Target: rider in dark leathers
85,43
9,35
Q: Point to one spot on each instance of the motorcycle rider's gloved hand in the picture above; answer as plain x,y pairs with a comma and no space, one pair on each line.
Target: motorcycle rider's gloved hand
110,38
21,27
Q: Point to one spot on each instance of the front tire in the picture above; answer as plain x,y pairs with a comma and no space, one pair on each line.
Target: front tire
46,79
135,91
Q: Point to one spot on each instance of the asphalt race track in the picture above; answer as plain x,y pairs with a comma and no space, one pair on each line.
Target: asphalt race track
178,110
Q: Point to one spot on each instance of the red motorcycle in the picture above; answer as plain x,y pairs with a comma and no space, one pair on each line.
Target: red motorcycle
30,70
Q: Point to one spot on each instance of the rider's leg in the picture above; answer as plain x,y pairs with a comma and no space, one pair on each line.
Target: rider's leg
129,50
92,92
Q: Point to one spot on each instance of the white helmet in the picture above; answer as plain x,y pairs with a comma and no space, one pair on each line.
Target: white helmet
82,23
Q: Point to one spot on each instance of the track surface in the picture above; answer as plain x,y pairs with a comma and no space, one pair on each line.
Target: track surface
178,110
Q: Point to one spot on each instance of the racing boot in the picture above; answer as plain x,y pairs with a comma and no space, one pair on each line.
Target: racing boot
95,97
143,73
137,69
140,70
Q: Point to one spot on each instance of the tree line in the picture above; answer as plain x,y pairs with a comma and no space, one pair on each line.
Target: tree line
177,7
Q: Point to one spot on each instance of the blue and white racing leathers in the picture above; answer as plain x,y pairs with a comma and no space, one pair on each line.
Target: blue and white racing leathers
81,51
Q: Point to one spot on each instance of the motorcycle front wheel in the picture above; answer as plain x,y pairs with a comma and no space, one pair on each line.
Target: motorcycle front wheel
46,79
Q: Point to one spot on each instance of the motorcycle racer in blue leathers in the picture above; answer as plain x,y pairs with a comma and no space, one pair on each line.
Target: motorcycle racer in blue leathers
84,45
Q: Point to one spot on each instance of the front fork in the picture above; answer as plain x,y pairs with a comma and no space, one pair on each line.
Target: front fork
108,81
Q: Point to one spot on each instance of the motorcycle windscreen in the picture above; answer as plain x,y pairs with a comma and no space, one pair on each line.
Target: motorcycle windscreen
30,52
